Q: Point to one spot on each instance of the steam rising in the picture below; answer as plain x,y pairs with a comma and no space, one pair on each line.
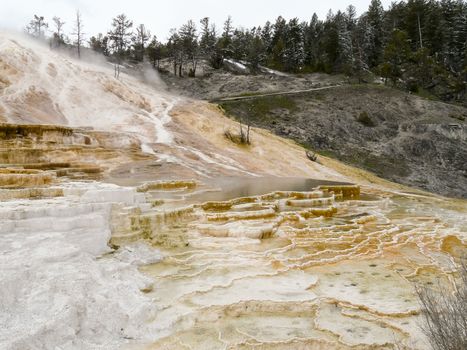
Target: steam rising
44,86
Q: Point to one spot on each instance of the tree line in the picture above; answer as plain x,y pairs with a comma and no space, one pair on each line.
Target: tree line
416,44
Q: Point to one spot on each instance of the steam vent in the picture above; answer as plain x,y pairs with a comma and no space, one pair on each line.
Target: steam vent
129,221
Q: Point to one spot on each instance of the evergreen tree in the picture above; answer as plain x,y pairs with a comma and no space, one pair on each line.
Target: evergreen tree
175,52
433,28
344,59
330,43
414,43
189,45
396,54
459,40
225,42
256,50
120,39
362,44
414,22
312,43
140,38
155,52
351,17
278,43
375,20
100,43
208,38
266,37
239,44
209,47
294,53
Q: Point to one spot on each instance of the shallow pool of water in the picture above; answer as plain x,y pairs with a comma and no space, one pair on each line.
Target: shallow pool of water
226,188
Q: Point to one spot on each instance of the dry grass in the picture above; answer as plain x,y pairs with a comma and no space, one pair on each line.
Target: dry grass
242,138
445,313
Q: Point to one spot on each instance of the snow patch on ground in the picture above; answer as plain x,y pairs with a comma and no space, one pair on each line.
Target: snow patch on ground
272,71
238,65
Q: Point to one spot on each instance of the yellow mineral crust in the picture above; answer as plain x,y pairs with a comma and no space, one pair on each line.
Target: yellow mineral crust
18,178
166,185
291,270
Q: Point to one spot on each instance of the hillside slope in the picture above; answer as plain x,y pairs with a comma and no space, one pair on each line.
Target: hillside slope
400,137
41,86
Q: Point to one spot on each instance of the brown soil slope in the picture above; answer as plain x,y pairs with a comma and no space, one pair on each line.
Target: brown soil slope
400,137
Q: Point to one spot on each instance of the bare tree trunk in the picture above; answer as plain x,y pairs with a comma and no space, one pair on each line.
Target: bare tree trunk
420,30
78,32
241,132
195,65
117,70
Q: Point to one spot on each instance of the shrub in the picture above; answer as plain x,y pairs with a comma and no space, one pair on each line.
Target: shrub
243,138
312,156
365,119
445,313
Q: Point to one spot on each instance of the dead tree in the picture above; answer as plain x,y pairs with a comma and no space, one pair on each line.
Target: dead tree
78,32
245,136
58,34
311,156
37,26
140,39
120,38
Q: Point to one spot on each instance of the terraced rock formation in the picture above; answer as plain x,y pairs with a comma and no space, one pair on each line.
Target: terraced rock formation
133,223
327,268
210,264
34,155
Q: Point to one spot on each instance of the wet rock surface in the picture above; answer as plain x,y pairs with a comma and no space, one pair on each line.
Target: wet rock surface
332,267
224,263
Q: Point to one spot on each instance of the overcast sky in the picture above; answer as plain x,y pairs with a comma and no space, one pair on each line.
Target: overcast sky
161,16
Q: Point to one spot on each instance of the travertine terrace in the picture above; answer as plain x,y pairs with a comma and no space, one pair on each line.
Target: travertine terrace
133,223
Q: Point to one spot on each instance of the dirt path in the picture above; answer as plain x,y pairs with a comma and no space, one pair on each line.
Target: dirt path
293,92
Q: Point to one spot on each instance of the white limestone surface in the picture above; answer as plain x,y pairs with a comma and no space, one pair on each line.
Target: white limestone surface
61,286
